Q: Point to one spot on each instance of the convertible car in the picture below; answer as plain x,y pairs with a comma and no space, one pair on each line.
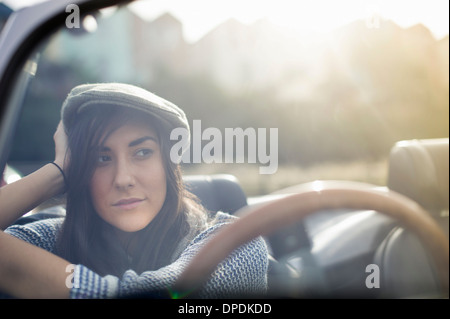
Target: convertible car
327,238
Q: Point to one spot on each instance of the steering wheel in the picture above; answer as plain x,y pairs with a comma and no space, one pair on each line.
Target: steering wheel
265,219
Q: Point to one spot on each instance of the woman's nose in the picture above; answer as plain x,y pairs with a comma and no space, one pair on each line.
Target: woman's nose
124,178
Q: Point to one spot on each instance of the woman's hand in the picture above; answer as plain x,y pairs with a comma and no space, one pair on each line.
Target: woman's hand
62,154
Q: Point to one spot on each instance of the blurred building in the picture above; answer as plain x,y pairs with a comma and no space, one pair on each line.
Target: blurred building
5,12
122,46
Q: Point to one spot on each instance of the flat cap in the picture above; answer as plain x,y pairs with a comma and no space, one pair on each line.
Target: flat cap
129,96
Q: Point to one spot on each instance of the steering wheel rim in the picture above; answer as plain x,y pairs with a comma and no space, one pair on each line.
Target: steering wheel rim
315,197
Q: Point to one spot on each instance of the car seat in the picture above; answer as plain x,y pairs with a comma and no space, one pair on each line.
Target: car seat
418,169
220,192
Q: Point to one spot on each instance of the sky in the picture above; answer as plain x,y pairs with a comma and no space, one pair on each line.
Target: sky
200,16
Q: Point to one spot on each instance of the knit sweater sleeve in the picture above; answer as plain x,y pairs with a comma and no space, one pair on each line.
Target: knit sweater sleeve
40,233
243,272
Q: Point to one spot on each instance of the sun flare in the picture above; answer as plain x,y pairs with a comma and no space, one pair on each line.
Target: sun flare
318,16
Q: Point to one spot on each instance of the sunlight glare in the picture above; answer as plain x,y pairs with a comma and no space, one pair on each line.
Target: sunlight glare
309,16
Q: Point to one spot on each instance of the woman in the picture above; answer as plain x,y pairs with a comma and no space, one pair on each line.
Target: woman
130,226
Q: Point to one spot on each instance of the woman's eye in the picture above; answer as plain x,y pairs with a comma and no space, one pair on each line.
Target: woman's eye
145,152
103,159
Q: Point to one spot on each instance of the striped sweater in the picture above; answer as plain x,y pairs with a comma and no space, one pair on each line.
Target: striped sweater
243,272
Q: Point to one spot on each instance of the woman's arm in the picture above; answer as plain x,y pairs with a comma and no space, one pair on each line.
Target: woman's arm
27,271
243,273
32,272
25,194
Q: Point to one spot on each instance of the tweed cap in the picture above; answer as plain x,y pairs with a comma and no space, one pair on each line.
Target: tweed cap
129,96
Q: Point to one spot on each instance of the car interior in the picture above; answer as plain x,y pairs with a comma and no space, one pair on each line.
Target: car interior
326,253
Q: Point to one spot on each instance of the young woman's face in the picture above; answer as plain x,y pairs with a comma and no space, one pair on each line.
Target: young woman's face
128,187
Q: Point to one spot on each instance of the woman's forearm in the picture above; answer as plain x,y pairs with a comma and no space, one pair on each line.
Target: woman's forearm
27,271
25,194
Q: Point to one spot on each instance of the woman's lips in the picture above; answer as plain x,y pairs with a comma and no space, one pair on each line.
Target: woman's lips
128,203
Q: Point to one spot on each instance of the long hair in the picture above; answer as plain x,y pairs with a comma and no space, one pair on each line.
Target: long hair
85,237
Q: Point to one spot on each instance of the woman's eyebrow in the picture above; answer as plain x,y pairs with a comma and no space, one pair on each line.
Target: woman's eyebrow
141,140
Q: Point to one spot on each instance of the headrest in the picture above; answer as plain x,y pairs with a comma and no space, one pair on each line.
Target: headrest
221,192
419,169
